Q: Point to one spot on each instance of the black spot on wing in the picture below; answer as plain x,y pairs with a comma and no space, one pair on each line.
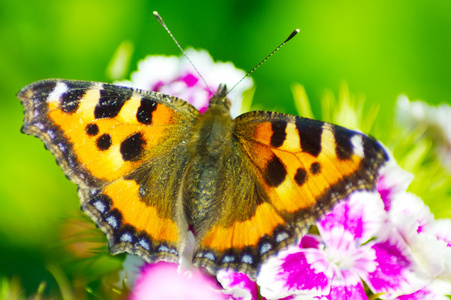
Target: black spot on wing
315,168
104,142
111,102
92,129
70,100
275,172
310,135
343,145
132,147
301,176
145,110
278,133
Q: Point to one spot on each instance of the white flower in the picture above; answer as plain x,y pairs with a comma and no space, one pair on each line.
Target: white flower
435,120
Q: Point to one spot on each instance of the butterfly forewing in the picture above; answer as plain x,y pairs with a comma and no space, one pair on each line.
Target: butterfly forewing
118,144
308,165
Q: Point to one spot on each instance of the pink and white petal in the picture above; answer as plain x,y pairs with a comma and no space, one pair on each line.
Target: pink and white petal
436,290
344,253
237,286
441,228
295,272
346,285
397,271
311,241
412,207
422,294
416,224
392,181
216,73
155,69
433,254
362,215
428,240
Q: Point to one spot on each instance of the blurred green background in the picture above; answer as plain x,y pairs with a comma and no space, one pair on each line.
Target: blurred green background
380,48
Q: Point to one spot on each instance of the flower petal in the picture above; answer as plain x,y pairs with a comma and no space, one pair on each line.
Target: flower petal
162,281
346,285
294,271
442,230
362,216
397,271
237,286
392,181
411,207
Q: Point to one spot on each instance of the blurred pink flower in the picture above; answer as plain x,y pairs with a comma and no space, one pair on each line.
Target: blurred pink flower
165,281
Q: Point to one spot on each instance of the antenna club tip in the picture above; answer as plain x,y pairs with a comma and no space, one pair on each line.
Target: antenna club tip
296,31
156,15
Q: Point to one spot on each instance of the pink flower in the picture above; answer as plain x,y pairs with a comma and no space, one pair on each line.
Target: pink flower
347,252
175,76
428,241
163,281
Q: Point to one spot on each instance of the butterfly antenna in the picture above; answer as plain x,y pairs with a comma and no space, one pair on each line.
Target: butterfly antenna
159,19
292,35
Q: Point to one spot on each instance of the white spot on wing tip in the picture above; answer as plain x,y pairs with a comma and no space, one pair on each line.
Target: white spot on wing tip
357,142
100,206
143,243
126,237
281,237
112,221
58,91
247,259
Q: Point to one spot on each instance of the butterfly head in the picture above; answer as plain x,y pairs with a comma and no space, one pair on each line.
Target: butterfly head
220,100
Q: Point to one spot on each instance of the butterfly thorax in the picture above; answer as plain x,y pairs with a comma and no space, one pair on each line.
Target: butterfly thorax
211,143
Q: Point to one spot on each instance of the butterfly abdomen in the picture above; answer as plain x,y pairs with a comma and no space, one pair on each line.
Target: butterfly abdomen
211,143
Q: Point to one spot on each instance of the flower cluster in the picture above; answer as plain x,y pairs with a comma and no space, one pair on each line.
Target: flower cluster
387,239
385,243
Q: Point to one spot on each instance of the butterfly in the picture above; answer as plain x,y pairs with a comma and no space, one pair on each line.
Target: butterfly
150,167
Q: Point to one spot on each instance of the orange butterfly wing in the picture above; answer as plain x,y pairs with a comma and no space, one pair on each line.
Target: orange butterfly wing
105,138
286,172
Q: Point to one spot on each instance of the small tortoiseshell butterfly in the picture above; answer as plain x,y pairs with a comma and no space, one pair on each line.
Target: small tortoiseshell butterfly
150,167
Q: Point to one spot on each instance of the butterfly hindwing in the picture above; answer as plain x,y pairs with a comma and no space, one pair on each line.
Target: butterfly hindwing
105,138
291,170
